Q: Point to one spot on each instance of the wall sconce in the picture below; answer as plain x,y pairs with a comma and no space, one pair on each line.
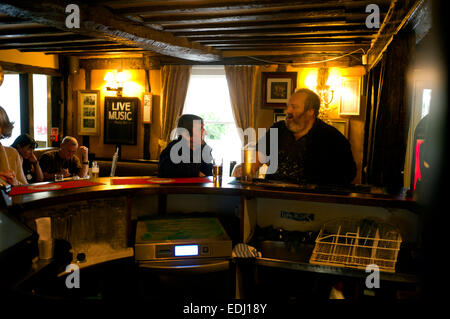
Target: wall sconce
326,86
114,82
323,89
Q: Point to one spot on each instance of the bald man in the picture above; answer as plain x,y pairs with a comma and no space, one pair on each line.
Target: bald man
64,161
309,150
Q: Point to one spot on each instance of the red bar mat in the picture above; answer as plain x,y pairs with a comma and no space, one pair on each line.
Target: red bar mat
157,180
20,190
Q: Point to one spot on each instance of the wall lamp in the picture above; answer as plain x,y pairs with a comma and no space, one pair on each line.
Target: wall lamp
114,82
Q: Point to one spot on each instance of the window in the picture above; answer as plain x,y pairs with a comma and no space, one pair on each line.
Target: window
40,98
208,97
426,98
10,101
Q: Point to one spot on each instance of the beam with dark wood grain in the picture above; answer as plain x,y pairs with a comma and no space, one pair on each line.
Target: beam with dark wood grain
23,68
266,26
144,63
262,37
37,40
195,7
275,40
280,32
98,22
58,44
398,15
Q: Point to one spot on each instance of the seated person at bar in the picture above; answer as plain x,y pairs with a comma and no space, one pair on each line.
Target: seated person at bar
10,165
309,150
190,142
64,161
25,145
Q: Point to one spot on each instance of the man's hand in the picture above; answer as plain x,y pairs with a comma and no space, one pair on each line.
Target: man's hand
9,176
84,153
65,172
200,174
33,158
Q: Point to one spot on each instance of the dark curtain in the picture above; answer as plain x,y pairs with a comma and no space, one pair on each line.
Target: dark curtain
387,117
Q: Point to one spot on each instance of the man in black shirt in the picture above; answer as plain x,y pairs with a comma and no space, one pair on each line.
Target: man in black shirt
188,155
309,150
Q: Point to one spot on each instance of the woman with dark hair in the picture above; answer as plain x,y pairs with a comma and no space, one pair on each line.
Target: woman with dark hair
25,145
10,164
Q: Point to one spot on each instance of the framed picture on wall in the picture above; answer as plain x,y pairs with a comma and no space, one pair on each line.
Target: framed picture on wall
88,112
147,102
277,88
341,125
279,117
350,96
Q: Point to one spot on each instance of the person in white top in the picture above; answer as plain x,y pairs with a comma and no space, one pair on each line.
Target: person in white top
10,164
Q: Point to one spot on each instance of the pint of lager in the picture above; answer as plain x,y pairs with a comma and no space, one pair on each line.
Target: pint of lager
249,154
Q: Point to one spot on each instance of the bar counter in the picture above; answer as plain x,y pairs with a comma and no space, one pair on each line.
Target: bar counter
105,214
228,187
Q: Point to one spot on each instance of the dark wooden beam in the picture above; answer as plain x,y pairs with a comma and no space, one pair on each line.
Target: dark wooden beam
398,15
263,37
193,7
50,42
145,63
24,68
279,32
36,38
96,21
275,40
328,48
98,48
267,26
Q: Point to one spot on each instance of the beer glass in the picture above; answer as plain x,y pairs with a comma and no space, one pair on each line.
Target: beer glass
249,154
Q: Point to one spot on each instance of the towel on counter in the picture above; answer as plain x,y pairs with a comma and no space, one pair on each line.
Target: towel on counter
245,251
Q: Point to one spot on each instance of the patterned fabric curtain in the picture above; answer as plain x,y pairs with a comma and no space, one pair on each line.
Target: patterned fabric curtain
174,86
244,86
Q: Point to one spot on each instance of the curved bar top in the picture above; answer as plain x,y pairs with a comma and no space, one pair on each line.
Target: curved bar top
339,196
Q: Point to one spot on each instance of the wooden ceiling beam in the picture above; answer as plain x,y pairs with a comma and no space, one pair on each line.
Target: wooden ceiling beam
323,49
82,49
66,43
266,26
98,22
215,6
220,16
263,37
278,32
398,15
37,38
274,40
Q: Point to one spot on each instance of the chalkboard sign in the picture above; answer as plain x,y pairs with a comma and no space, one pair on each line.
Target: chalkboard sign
121,120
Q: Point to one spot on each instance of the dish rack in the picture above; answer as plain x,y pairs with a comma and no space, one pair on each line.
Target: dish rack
356,243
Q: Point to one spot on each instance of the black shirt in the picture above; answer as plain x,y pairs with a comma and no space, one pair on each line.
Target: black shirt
28,171
166,168
52,163
322,156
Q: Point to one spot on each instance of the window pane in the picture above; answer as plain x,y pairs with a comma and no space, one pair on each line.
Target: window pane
209,98
10,101
426,98
40,92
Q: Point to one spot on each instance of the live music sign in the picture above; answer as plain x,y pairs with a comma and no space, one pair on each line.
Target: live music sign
121,120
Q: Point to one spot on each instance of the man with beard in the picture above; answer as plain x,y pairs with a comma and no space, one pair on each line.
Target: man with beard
309,150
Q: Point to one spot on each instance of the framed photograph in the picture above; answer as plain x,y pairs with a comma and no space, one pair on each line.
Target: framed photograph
277,88
147,102
350,96
279,117
341,125
88,112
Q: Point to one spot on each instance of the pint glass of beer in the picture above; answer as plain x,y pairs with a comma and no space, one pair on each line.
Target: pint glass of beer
249,154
